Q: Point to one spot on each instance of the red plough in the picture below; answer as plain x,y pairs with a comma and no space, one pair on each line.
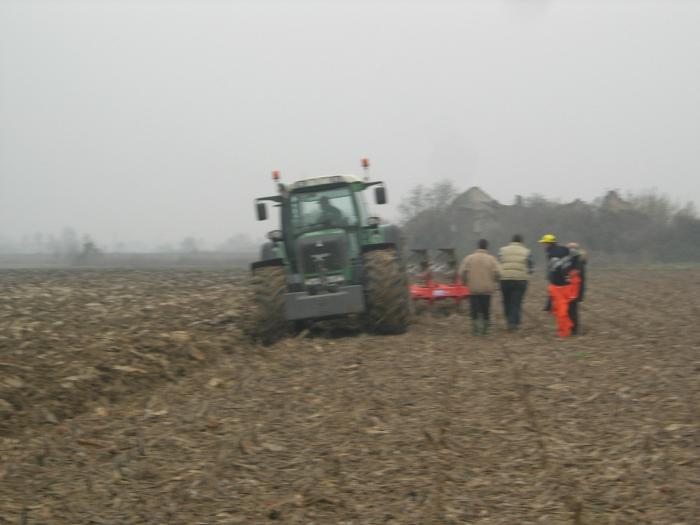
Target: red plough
432,291
428,289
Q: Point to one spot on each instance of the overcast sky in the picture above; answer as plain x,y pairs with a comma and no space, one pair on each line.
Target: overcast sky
151,120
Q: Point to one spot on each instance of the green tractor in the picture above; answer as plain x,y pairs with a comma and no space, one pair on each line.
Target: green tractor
330,259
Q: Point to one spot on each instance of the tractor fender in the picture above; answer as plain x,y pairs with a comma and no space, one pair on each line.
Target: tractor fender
392,234
266,263
267,251
392,239
378,246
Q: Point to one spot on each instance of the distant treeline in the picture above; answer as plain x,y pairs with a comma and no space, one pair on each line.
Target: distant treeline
70,247
644,228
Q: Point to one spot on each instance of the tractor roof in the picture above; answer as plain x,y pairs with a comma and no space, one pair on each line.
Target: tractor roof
316,183
324,181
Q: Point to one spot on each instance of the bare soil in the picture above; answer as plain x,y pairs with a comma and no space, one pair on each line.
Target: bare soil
133,397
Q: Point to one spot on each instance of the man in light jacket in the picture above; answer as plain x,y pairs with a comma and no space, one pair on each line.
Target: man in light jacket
480,272
516,267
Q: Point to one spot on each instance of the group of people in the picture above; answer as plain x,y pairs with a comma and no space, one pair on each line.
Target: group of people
566,277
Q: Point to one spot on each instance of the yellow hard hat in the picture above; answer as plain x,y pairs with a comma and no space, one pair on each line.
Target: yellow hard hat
547,238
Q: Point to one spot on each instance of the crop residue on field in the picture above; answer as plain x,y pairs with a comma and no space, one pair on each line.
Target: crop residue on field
132,396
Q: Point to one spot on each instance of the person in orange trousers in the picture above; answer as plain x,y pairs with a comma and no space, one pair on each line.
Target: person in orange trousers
564,282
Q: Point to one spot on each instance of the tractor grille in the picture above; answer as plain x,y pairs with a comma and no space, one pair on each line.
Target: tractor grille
327,253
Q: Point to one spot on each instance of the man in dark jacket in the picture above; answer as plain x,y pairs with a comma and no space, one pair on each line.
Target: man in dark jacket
563,286
580,259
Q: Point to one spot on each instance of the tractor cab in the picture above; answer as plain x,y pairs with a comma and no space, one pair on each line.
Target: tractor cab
323,202
318,207
325,223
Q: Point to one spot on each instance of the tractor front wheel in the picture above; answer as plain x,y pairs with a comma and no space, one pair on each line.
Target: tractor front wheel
386,293
267,323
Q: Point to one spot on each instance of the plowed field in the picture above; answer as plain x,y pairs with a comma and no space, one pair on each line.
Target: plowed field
132,397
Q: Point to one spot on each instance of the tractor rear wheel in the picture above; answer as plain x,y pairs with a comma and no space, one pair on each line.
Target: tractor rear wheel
386,293
267,323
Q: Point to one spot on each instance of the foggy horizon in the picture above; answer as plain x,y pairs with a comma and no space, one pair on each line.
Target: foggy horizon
148,122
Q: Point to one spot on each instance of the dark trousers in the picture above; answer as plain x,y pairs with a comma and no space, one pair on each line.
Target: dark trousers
480,306
573,315
513,293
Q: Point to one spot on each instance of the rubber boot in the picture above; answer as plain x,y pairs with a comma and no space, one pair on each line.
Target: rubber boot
485,327
476,327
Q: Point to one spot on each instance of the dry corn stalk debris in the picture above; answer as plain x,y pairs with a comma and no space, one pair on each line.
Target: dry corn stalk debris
133,397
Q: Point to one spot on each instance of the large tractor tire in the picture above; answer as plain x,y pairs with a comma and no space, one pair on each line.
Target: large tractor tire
386,293
267,323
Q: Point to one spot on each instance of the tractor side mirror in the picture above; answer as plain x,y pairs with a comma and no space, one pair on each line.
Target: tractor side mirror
275,236
380,195
262,211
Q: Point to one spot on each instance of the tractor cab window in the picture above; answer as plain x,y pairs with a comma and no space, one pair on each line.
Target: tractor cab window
362,207
324,209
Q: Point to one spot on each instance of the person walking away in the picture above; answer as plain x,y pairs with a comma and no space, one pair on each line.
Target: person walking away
480,271
516,267
580,260
563,285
